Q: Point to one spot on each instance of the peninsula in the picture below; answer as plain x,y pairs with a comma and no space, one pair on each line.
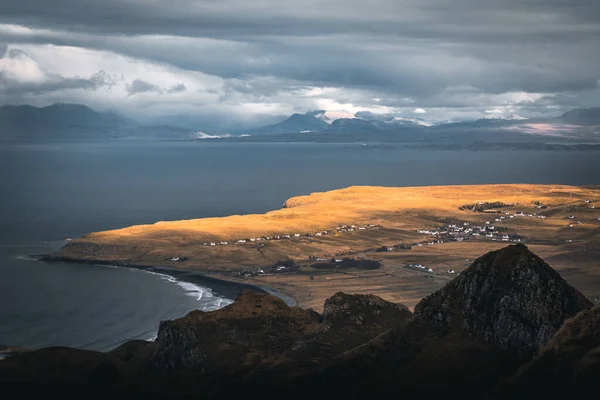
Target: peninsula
401,244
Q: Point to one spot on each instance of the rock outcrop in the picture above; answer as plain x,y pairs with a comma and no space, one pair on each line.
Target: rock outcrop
569,364
509,298
260,332
470,338
363,310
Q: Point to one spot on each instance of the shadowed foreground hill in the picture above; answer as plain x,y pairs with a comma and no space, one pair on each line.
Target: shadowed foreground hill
470,338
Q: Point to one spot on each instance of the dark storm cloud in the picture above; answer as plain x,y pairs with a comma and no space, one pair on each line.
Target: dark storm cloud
177,88
55,83
398,49
10,85
140,86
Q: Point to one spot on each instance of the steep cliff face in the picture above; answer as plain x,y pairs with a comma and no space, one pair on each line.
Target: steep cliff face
509,298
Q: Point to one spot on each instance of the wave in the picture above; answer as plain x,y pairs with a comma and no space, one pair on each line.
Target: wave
202,135
201,293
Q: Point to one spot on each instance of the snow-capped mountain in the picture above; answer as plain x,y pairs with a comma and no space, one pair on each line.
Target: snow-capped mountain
506,117
328,121
329,116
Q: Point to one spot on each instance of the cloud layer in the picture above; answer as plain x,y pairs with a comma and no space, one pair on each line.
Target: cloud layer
439,59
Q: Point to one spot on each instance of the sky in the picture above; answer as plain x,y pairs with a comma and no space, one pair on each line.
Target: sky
254,61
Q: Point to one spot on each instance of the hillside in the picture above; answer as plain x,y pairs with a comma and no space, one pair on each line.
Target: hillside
494,331
374,231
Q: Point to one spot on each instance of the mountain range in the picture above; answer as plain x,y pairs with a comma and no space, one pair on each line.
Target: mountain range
76,121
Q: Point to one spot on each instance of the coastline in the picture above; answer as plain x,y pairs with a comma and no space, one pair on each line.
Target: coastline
221,285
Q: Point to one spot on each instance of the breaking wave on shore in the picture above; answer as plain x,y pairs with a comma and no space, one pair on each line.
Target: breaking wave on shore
211,302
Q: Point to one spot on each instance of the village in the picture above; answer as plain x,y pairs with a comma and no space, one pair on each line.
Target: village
338,229
451,231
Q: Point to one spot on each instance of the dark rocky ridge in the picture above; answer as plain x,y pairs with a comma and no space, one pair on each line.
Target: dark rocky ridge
469,339
510,298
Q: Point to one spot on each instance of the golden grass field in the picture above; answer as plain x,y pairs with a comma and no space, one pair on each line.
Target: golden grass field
398,213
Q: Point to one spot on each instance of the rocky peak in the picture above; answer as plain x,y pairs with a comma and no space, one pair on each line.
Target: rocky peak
260,331
255,327
510,298
362,310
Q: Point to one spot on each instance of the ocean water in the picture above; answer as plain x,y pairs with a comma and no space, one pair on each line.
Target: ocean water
51,192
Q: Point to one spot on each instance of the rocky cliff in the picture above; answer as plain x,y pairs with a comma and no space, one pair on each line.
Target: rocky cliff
259,333
509,298
496,330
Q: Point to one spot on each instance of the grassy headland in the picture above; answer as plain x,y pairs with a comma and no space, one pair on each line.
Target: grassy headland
393,226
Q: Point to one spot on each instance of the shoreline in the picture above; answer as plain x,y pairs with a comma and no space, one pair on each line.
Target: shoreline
182,274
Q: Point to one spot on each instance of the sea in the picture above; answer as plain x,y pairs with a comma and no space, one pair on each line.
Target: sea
53,192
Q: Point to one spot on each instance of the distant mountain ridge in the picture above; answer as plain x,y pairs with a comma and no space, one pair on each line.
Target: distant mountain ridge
77,121
582,116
